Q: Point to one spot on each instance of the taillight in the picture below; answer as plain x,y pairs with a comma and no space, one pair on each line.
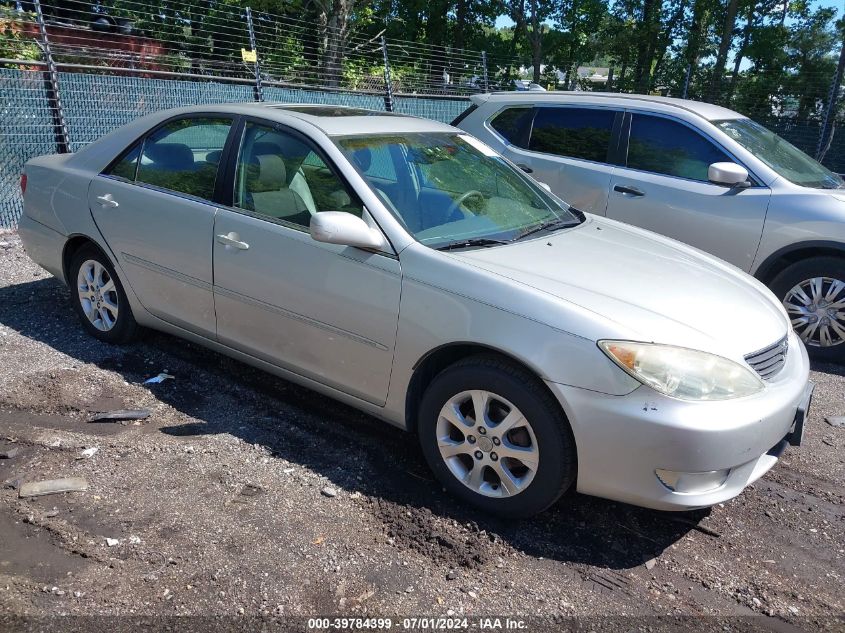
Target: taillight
23,183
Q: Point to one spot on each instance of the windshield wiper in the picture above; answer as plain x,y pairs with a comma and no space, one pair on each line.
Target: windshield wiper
476,241
557,223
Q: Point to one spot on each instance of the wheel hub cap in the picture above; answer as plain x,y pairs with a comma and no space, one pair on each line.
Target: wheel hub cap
817,309
487,444
97,295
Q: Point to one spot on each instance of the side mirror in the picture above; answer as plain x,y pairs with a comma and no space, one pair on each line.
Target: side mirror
727,174
339,227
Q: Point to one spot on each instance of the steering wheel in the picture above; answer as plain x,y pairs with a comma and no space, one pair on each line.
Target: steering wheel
461,199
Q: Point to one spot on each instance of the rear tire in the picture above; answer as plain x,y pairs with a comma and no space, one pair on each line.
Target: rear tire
98,297
813,293
518,459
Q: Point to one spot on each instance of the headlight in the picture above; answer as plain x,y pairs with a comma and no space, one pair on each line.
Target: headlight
683,373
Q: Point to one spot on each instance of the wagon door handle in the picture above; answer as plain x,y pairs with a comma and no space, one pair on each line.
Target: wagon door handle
525,168
232,239
631,191
107,202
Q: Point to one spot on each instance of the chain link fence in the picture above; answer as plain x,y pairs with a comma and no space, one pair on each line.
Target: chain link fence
68,76
71,71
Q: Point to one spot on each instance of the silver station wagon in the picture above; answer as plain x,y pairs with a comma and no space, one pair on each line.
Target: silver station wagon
696,172
403,267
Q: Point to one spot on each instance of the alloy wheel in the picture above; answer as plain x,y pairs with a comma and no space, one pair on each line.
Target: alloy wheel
97,295
817,309
487,443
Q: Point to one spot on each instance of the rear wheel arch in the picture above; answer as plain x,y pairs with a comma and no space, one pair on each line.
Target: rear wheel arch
72,246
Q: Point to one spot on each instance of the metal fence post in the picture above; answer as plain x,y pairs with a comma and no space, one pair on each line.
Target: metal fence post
686,81
826,132
51,84
257,90
484,69
388,84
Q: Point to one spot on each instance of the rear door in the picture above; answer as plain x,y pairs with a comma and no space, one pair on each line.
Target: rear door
567,147
662,186
153,206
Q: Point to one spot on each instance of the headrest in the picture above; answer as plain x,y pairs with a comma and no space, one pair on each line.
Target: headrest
363,157
272,174
213,158
175,156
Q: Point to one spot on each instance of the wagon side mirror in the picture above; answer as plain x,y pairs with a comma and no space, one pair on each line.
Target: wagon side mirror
339,227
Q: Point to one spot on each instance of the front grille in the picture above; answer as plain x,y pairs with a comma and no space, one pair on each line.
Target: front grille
769,361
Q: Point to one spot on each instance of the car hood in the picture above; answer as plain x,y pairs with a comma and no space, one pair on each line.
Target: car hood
653,288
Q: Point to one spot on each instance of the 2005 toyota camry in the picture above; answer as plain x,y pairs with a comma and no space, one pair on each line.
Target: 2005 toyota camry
403,267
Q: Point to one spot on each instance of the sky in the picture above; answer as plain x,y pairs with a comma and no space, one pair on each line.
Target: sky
504,20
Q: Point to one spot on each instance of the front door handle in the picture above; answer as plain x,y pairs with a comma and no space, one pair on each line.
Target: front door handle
232,239
525,168
107,202
631,191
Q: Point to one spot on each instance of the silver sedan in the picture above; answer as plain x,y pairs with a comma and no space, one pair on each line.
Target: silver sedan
405,268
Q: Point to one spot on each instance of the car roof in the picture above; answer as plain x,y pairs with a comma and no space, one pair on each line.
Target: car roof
333,120
705,110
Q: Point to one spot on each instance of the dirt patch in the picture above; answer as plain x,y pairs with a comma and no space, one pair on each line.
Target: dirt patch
30,552
441,540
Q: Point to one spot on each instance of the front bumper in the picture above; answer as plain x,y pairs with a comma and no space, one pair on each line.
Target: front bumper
623,440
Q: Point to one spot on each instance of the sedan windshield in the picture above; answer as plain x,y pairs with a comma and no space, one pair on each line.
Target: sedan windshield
450,190
786,159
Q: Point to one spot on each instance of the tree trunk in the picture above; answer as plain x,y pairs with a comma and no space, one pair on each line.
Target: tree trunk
536,41
695,36
740,54
649,29
436,34
724,48
665,39
829,123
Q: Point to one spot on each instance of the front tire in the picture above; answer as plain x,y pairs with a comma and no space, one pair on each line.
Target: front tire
99,299
496,438
813,293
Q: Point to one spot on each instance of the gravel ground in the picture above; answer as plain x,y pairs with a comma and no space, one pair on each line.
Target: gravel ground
244,495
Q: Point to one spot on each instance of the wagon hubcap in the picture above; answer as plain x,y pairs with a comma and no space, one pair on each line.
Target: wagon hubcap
97,295
817,309
487,444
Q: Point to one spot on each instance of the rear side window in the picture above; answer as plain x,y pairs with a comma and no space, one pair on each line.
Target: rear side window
573,132
126,167
663,146
512,124
183,155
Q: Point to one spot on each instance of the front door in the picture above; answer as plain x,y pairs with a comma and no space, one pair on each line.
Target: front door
323,311
663,187
153,206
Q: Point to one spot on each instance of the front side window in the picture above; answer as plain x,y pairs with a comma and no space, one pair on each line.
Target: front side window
457,189
281,176
780,155
183,155
582,133
663,146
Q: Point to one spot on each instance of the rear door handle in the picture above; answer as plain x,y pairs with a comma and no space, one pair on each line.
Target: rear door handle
233,239
107,202
525,168
631,191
